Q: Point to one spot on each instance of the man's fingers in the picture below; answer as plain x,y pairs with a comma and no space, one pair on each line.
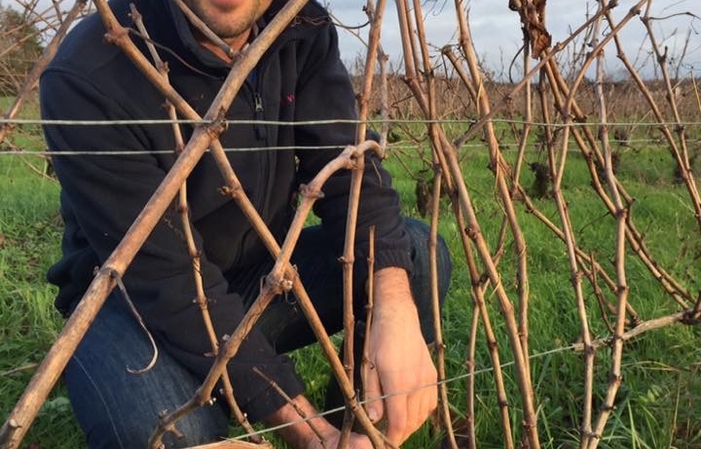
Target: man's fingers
397,414
373,394
357,441
428,401
406,413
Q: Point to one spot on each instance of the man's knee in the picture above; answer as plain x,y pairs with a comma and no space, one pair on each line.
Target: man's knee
120,410
419,234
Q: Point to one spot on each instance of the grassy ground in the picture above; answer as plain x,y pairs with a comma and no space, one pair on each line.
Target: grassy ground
30,233
659,404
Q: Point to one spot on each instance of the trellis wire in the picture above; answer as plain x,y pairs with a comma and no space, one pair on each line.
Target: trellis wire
446,381
16,121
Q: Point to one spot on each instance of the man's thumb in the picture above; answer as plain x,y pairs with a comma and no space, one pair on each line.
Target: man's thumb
373,395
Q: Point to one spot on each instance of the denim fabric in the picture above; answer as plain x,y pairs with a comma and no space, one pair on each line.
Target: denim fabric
119,410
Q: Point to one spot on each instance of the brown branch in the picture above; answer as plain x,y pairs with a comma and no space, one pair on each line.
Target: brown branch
544,60
595,272
444,405
366,364
375,16
680,151
19,369
597,49
477,290
384,98
39,66
522,273
588,439
519,350
589,149
470,387
557,170
687,317
142,325
195,254
605,307
347,260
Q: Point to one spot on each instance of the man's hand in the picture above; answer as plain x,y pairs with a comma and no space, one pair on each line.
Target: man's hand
302,436
400,365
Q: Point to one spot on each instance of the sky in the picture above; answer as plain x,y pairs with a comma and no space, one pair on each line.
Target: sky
496,30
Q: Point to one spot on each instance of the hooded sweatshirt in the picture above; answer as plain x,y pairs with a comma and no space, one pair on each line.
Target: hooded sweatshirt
300,78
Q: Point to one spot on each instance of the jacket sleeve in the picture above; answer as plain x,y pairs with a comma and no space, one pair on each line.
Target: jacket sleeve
102,195
325,93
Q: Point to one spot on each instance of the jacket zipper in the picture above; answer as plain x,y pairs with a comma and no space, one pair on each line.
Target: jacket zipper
260,193
261,135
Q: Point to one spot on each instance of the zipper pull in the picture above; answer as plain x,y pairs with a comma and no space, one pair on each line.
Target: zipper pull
258,105
258,102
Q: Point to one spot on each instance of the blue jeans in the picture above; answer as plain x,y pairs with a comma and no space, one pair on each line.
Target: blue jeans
119,410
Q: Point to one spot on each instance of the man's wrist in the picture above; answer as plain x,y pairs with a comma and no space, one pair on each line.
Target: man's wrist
392,287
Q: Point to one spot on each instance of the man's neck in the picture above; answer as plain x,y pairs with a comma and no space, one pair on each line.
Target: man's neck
236,44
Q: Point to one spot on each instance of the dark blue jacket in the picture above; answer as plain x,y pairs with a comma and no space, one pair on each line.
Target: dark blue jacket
300,78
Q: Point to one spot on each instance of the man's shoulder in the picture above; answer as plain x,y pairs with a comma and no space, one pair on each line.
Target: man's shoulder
311,9
312,18
85,50
314,9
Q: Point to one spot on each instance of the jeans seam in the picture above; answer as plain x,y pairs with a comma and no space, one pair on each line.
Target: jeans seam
102,399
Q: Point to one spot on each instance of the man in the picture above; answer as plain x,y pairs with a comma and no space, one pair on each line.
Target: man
300,78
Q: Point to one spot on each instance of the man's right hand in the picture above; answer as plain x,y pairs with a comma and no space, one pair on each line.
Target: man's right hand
401,369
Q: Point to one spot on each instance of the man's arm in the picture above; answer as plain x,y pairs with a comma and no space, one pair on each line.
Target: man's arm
403,366
325,93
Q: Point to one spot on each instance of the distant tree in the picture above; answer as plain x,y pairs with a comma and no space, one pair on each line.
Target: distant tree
20,46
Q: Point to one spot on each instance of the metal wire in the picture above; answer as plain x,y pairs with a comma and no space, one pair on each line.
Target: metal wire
361,402
16,121
61,153
45,153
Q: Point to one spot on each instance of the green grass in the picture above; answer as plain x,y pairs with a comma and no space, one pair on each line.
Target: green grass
659,404
30,238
